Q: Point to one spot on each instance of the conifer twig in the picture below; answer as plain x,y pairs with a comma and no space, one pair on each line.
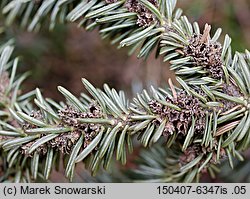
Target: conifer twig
204,121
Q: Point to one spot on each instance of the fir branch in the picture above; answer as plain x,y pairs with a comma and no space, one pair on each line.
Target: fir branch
195,57
92,130
208,118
